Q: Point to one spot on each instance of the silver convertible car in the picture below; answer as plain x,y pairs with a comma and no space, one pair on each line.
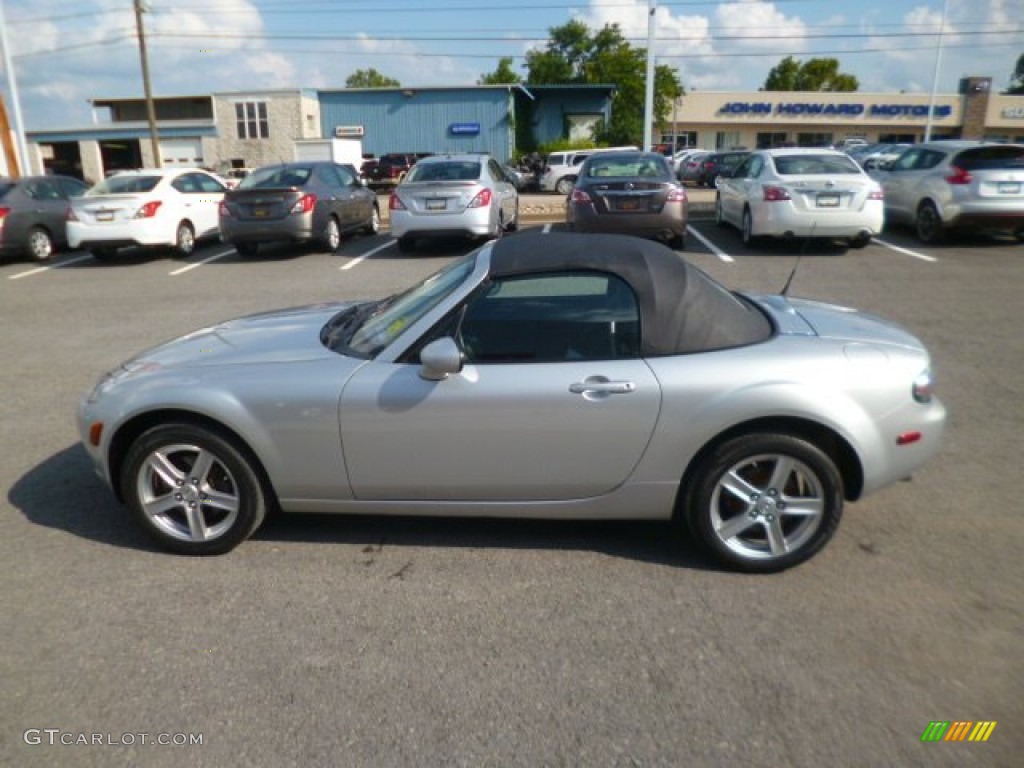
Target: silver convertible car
542,375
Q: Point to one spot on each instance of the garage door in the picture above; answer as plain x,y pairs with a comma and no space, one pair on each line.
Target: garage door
181,153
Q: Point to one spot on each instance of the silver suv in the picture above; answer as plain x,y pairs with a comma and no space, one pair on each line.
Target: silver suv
944,185
562,168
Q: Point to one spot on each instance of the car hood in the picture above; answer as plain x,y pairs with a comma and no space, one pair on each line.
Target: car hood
832,321
281,336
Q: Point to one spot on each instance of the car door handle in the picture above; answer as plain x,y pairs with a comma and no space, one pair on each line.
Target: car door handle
601,386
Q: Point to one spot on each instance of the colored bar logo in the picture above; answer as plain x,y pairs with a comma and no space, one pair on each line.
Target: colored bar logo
958,730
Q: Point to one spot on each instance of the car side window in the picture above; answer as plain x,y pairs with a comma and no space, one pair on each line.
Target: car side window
208,184
552,317
496,173
345,177
43,189
928,159
72,187
907,160
186,184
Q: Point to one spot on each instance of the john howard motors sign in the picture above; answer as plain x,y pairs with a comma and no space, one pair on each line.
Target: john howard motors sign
848,110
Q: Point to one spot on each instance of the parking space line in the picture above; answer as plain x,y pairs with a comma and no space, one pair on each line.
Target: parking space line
368,254
907,251
200,263
709,245
48,267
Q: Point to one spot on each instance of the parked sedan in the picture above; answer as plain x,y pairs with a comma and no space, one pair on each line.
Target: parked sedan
299,203
691,168
719,164
170,208
945,185
33,210
543,375
801,193
632,193
453,195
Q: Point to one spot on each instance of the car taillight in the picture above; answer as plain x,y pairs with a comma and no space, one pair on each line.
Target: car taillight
482,198
223,210
959,176
579,196
775,194
70,215
676,195
305,204
395,203
4,212
148,210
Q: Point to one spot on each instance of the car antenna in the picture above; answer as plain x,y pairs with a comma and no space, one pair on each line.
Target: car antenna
799,256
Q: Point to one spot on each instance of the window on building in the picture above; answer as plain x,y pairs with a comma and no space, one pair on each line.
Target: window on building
814,139
770,140
251,120
680,139
727,140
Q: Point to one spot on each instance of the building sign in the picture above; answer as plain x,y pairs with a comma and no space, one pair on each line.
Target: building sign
814,109
348,131
464,129
1016,113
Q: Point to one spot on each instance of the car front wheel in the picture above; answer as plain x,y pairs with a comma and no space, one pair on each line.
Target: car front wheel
39,244
747,231
193,490
564,186
765,502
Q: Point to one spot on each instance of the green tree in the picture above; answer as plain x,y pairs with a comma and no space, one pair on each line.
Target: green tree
370,78
1017,78
574,54
502,75
812,75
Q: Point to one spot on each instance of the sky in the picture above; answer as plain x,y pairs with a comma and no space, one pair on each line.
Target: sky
65,53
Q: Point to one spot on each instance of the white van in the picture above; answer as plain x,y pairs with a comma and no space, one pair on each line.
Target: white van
561,168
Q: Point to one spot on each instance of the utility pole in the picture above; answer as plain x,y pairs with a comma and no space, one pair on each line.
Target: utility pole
935,75
12,83
150,109
649,94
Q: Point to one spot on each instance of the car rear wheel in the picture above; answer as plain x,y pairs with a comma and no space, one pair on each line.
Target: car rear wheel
719,213
193,490
513,225
374,226
39,244
747,231
677,242
765,502
861,241
406,244
331,237
246,249
564,185
928,224
184,239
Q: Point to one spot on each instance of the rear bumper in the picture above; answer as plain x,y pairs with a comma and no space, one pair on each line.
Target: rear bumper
137,232
474,222
295,228
782,220
671,221
986,215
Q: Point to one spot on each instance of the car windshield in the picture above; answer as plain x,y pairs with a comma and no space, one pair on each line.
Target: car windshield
365,330
815,165
276,176
627,167
454,170
125,185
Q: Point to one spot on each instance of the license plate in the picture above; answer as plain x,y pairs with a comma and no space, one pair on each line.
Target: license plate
1009,187
260,213
105,216
828,201
435,205
629,205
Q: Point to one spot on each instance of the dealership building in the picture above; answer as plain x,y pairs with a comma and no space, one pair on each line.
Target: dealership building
248,129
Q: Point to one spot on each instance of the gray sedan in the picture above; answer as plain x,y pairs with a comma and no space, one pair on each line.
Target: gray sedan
33,214
297,202
542,375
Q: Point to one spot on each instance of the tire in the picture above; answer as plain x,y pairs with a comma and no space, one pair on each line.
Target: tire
209,512
765,502
406,244
677,242
331,237
104,254
514,224
39,244
927,223
184,239
246,249
719,213
747,230
374,226
1019,234
564,185
861,241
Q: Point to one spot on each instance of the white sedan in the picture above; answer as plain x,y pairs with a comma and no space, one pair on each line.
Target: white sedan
153,207
801,192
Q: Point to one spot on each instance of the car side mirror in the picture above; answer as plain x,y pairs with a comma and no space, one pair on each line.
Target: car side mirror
439,359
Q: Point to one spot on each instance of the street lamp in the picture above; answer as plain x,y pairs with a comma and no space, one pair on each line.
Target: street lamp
935,74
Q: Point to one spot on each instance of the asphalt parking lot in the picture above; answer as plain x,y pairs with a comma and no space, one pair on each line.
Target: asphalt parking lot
390,642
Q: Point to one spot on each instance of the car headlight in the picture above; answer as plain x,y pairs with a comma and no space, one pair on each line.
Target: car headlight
923,388
110,379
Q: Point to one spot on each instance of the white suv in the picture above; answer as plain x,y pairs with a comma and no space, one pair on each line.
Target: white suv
561,168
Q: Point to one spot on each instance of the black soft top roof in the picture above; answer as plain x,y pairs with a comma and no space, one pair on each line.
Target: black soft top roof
681,308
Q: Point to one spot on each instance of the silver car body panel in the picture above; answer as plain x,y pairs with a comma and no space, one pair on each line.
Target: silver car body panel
341,434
